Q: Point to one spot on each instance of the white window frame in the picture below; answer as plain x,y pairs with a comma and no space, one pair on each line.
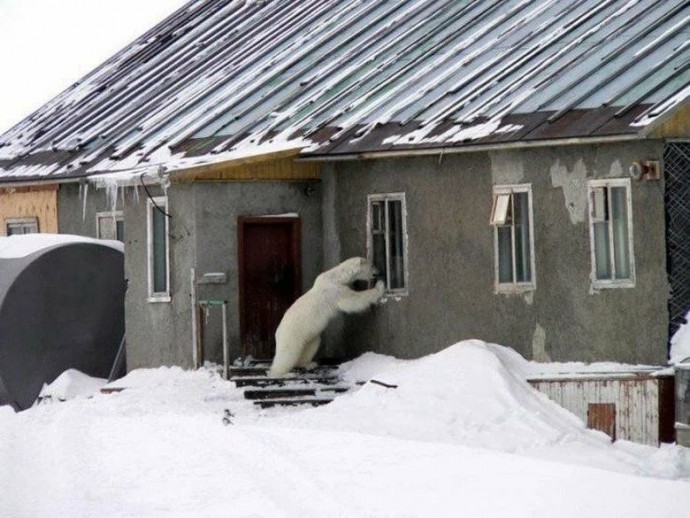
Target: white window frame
117,215
610,283
33,221
499,193
162,203
398,196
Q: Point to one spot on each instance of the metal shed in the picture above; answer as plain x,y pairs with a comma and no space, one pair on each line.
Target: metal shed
61,307
634,406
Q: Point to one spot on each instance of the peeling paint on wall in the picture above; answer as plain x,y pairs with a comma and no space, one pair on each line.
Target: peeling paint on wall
574,185
616,170
539,353
506,167
528,297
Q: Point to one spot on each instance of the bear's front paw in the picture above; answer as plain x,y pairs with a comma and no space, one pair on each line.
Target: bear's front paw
380,288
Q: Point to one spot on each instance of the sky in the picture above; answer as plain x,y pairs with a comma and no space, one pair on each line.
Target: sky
47,45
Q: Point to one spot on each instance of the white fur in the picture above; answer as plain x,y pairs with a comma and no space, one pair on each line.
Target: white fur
299,334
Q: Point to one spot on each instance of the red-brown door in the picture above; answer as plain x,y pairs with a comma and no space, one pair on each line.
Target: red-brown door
269,277
602,417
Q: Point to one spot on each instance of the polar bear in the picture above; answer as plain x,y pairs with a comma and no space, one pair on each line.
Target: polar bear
299,333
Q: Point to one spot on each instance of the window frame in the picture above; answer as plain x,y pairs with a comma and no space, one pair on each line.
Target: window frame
117,215
153,296
386,197
513,287
612,282
22,221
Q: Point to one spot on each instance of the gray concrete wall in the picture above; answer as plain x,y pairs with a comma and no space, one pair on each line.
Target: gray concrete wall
451,256
159,333
77,208
218,205
203,233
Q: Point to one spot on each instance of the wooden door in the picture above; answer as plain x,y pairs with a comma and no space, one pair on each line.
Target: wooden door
269,279
602,417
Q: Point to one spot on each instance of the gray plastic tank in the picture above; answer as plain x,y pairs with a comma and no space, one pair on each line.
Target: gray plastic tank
61,307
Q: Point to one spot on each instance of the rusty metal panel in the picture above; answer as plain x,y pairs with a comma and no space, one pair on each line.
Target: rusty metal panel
602,417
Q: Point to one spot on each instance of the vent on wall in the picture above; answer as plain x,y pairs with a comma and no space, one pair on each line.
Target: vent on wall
645,170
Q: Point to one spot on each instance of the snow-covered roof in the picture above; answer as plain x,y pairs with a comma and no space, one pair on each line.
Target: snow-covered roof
345,76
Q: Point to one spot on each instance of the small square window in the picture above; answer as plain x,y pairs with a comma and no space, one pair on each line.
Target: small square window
610,228
387,240
18,226
511,217
110,225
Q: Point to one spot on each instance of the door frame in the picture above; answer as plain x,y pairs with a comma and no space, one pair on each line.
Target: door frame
296,239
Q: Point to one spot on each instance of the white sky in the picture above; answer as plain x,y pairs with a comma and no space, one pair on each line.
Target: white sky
46,45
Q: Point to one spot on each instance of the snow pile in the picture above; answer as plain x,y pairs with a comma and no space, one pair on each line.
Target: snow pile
15,247
476,394
680,343
71,384
463,394
160,448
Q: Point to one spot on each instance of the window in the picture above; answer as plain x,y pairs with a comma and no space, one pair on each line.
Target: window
387,239
511,217
17,226
158,250
110,225
610,231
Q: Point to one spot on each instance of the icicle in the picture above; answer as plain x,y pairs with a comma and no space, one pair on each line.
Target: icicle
111,194
86,194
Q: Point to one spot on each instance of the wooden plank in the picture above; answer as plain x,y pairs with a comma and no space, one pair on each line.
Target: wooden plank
280,169
677,125
250,381
38,202
280,393
268,403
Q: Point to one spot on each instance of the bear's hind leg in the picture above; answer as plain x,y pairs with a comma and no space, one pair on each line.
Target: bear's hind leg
287,357
308,353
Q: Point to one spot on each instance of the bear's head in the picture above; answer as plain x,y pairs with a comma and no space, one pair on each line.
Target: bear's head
354,269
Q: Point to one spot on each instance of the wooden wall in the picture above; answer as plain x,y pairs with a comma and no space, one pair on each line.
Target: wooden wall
676,126
30,202
279,169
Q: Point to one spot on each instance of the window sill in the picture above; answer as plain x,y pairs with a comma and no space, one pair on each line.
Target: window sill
606,285
393,295
156,299
514,289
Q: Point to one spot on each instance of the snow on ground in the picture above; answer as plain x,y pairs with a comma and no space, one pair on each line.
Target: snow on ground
71,384
462,435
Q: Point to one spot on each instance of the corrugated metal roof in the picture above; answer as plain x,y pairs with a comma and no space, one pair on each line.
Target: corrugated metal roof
361,75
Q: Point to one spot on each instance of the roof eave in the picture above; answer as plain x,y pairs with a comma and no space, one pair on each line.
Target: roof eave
473,148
